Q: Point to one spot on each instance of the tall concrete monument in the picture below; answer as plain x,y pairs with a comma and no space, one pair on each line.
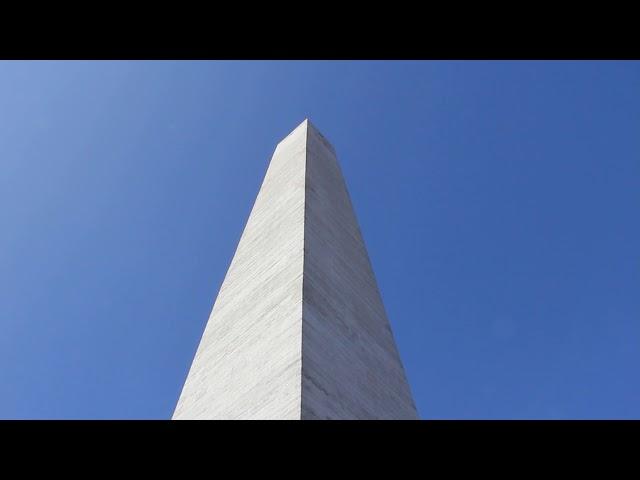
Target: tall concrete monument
298,330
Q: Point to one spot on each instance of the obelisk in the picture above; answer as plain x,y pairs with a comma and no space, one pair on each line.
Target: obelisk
298,330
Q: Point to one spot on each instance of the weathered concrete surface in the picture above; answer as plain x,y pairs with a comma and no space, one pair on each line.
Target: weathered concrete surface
350,366
248,363
298,330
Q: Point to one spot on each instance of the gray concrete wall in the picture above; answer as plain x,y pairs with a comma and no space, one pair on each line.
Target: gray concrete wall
350,365
248,363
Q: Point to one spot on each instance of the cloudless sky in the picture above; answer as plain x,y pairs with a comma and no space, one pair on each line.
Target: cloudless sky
499,202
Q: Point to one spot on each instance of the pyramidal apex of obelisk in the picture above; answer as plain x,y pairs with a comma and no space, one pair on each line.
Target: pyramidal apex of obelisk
298,330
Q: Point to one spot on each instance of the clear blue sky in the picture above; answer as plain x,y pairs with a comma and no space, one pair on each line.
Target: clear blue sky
499,202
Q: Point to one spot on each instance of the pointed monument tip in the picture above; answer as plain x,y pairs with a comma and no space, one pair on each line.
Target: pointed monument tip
300,126
311,127
307,122
307,126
